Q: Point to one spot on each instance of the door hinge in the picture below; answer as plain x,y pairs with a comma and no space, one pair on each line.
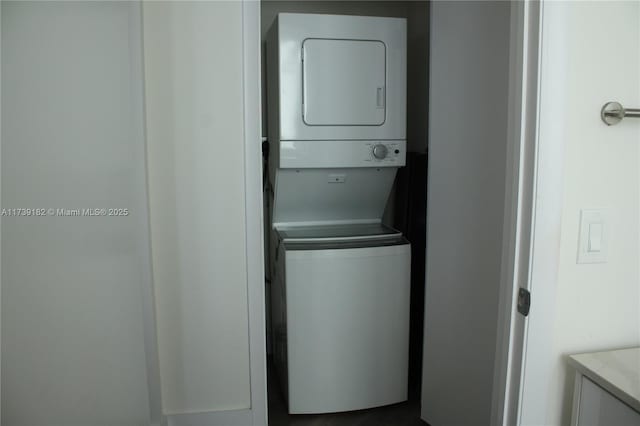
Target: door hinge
524,301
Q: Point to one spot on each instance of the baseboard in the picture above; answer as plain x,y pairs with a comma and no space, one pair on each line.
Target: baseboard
211,418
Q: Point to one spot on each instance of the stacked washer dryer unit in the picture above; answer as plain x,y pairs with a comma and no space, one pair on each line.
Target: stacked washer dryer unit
340,288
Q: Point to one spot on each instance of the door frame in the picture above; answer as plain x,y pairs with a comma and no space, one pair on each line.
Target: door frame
546,212
519,212
532,228
533,200
257,412
252,116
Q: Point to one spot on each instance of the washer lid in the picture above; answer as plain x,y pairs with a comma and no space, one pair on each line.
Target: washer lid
337,233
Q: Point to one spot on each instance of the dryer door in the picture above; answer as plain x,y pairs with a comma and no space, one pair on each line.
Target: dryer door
333,77
343,82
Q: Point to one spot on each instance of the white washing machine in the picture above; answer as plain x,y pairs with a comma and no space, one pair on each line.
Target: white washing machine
341,317
341,279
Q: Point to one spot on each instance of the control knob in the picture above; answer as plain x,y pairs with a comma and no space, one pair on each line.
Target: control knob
380,151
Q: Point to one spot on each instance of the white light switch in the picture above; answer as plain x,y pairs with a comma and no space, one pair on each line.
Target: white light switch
592,244
595,237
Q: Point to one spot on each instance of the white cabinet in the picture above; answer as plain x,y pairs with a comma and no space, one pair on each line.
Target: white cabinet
607,388
597,407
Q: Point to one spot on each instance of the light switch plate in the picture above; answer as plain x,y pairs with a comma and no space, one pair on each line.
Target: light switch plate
594,236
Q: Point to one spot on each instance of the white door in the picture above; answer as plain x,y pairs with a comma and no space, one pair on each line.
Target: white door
343,82
77,325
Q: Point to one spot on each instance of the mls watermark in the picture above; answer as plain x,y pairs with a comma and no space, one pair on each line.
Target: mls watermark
64,212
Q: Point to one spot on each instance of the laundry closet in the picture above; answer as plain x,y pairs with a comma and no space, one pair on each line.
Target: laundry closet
348,91
339,271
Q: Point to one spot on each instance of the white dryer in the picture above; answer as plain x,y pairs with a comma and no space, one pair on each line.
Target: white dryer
336,78
341,283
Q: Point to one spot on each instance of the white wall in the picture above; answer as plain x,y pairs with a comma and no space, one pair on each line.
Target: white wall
72,330
467,148
193,70
597,306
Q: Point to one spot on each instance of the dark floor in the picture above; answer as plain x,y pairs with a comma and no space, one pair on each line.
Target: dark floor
404,414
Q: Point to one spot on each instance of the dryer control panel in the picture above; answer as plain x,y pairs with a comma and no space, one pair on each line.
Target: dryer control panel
386,152
342,153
